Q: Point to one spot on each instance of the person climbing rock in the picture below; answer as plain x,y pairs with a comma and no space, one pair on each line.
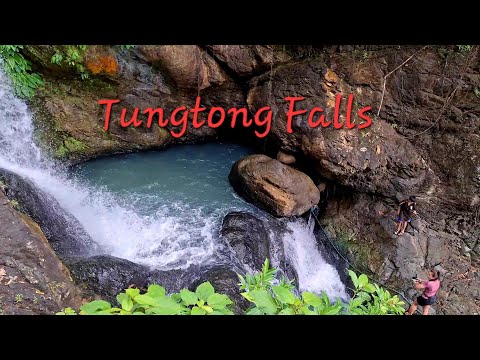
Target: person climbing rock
405,212
429,296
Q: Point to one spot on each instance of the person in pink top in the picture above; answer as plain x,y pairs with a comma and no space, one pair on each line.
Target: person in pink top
429,296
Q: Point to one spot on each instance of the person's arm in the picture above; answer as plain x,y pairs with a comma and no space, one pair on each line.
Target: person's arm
414,210
420,284
399,208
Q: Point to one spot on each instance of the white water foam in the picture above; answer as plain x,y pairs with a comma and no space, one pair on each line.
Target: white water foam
162,239
314,273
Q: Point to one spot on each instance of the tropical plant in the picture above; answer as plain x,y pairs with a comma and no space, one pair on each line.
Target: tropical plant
267,295
204,301
19,69
72,56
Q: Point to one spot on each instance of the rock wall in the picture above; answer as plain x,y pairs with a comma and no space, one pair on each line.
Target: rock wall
32,278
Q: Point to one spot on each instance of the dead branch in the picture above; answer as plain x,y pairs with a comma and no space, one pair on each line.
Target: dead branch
391,72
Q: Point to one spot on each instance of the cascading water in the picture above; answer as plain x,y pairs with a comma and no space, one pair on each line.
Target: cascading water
168,234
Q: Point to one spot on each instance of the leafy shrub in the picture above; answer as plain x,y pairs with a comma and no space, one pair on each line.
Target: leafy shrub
465,48
72,56
267,295
204,301
24,81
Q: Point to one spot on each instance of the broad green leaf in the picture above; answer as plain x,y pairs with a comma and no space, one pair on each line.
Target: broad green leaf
355,302
94,306
125,301
164,306
145,299
264,301
188,297
287,311
354,278
215,312
247,296
284,295
204,290
132,292
254,311
333,310
218,301
362,281
370,288
176,297
311,299
198,311
156,291
307,311
207,308
224,311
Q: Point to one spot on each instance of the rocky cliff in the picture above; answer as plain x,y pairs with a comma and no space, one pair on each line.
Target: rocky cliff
424,140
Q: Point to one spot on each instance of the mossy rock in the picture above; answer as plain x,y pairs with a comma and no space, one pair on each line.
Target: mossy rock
70,147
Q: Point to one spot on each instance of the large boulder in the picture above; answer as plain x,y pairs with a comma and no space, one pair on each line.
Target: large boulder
66,235
247,237
375,159
273,186
187,65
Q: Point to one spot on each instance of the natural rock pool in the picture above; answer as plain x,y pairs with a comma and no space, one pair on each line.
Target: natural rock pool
168,205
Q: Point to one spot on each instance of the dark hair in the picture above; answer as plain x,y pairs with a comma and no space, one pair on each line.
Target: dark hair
412,198
436,273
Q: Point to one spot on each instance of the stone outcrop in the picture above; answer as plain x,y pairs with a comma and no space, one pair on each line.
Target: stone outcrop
274,186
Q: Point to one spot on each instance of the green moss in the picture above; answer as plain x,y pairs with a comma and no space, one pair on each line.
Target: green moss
359,254
70,146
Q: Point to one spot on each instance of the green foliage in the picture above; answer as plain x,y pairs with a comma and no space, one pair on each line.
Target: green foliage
126,47
72,56
204,301
476,91
464,48
267,295
19,69
259,280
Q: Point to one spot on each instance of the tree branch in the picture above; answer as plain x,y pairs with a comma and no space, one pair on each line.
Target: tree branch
391,72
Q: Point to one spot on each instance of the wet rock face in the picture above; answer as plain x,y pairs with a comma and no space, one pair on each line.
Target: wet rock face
273,186
247,237
106,275
32,279
66,235
252,240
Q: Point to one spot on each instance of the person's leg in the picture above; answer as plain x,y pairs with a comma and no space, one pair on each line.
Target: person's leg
404,227
426,309
399,225
412,308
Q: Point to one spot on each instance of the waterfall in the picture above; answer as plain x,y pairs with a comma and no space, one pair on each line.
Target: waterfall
174,236
314,273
